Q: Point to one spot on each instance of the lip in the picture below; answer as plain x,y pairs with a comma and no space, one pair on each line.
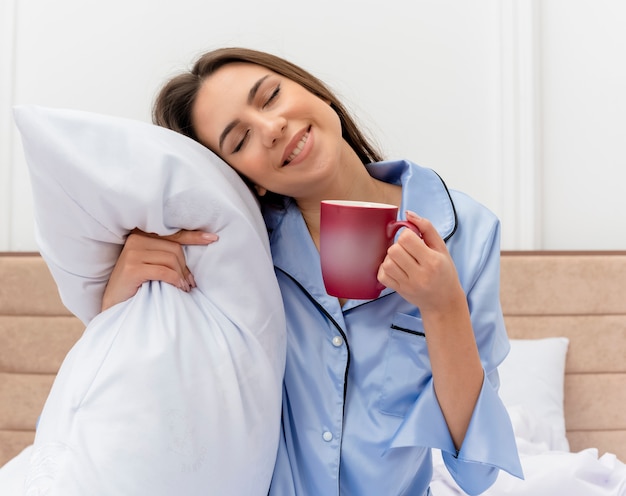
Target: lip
292,145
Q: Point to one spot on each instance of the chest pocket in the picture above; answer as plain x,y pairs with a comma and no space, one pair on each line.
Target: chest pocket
407,365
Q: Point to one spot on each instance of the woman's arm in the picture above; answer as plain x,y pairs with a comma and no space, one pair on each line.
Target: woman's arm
422,271
148,257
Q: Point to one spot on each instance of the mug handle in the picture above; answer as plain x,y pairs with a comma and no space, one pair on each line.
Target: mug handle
393,227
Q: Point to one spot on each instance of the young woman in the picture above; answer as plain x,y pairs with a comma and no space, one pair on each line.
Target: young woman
370,386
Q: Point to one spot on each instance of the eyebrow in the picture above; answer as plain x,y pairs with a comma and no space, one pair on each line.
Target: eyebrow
251,95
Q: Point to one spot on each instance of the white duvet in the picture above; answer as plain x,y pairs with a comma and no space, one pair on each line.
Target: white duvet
532,390
546,472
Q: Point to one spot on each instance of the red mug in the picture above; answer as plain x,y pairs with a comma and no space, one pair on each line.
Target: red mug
354,239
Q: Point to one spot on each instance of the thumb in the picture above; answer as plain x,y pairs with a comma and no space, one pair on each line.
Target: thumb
183,237
429,234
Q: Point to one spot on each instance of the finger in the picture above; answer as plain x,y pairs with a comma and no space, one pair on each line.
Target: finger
175,261
165,258
177,240
399,262
166,274
430,235
159,251
137,262
184,237
193,237
387,280
139,267
145,272
389,277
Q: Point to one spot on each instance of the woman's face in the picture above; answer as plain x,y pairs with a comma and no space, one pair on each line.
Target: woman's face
269,128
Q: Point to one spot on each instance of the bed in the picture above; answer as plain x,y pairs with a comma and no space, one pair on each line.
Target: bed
566,316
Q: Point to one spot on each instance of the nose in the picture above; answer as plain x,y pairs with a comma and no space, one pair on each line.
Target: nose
272,129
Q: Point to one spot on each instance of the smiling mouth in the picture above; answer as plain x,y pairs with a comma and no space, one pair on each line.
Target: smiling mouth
296,151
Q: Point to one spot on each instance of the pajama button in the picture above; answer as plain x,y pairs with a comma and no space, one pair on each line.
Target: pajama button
337,341
327,436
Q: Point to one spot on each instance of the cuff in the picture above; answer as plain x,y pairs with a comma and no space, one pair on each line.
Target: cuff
489,439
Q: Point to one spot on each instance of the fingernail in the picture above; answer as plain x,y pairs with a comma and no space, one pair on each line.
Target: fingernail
184,285
409,213
192,280
209,236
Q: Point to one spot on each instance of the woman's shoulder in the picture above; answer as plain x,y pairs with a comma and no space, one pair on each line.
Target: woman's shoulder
466,204
467,201
426,193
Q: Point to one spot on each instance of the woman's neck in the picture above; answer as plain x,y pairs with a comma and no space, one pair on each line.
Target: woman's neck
360,187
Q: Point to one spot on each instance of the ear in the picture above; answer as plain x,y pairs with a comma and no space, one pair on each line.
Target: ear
260,190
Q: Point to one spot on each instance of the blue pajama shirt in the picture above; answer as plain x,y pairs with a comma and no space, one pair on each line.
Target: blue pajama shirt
360,415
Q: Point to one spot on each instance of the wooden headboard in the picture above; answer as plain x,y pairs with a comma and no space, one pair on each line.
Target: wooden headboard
578,295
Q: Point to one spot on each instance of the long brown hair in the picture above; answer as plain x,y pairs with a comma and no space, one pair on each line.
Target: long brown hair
174,103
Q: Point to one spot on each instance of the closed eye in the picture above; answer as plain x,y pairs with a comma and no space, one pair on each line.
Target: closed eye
272,97
242,142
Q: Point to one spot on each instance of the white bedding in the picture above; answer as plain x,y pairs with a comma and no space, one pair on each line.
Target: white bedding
548,473
13,474
531,388
548,470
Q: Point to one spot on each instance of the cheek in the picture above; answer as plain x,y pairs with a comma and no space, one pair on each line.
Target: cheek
330,116
250,167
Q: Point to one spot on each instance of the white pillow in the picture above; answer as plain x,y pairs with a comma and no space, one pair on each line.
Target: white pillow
12,473
95,178
169,392
531,388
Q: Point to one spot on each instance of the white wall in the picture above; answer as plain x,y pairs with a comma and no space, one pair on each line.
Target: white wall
509,100
584,123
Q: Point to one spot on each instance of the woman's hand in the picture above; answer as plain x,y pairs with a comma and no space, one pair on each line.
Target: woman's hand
148,257
422,270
